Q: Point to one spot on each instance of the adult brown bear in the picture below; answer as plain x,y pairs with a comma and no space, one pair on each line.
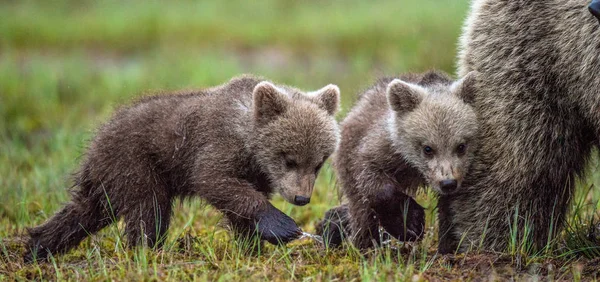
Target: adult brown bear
539,109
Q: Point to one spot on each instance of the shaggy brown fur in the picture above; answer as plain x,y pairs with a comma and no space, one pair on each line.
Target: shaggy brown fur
232,145
539,107
402,133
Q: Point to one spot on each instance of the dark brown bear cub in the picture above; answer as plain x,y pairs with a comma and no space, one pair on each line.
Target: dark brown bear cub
402,134
232,145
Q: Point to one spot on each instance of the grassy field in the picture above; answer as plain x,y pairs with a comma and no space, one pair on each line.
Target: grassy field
65,66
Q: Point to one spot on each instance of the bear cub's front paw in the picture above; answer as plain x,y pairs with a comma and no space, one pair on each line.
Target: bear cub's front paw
399,214
334,226
276,227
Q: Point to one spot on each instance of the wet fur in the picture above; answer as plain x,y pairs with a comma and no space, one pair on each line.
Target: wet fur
379,163
539,102
219,144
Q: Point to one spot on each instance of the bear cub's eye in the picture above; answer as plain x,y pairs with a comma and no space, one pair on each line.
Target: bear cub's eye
461,149
320,164
290,162
428,150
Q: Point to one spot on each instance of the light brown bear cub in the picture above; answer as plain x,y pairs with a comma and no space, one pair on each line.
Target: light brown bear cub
402,134
232,145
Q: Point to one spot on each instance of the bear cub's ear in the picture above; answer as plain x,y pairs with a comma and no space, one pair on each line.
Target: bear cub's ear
269,102
329,98
465,88
404,97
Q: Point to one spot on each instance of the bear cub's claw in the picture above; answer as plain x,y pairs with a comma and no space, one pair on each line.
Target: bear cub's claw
399,214
276,227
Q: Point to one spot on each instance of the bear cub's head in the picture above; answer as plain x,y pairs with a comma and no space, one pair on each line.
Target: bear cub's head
294,133
434,127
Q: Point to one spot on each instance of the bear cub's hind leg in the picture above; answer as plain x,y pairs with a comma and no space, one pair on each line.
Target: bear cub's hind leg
148,220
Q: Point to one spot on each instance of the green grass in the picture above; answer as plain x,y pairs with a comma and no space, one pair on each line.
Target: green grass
66,65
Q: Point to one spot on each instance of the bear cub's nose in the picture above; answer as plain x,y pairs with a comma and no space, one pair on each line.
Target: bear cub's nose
448,185
301,200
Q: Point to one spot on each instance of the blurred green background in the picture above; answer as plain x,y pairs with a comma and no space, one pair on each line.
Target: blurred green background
66,65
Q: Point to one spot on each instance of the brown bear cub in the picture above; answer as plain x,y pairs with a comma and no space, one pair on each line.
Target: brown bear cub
233,145
402,134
